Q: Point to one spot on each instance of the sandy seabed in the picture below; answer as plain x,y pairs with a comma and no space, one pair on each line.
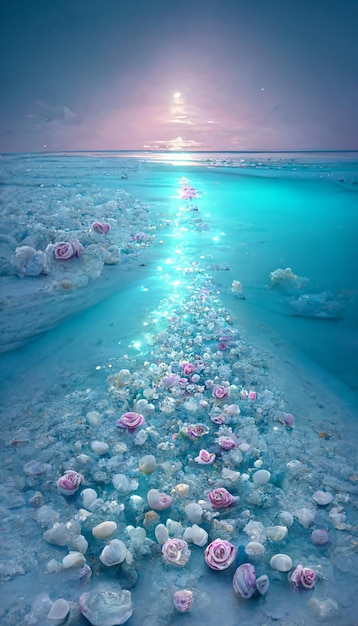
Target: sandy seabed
177,345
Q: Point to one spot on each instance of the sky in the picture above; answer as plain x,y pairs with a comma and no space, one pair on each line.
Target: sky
178,75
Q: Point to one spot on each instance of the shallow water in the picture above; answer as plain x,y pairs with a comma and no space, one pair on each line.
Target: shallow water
245,223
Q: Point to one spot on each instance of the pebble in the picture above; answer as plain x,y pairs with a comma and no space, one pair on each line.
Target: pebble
261,477
281,562
59,610
104,530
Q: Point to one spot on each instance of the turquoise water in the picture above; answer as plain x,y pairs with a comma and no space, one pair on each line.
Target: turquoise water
174,304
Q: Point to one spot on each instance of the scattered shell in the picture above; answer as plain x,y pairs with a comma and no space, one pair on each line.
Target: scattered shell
277,533
157,500
181,490
113,553
73,559
320,536
254,548
281,562
305,516
196,535
244,581
322,497
194,512
99,447
59,610
262,584
261,477
183,600
93,418
106,608
286,518
147,464
104,530
161,534
88,497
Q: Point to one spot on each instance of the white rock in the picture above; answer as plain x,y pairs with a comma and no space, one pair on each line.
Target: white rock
59,610
305,516
161,534
194,512
281,562
88,497
113,553
230,475
322,497
104,530
121,483
196,535
93,418
277,533
254,548
78,543
286,518
99,447
261,477
73,559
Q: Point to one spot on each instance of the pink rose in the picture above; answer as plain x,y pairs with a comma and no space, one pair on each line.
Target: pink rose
205,457
226,443
252,395
219,554
130,420
221,498
302,577
68,484
65,250
220,392
101,228
194,431
176,552
188,368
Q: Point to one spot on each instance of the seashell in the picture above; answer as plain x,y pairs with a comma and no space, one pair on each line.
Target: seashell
196,535
78,543
230,475
68,484
322,497
244,581
106,608
176,552
73,559
286,518
121,483
99,447
305,516
205,457
157,500
288,420
226,443
130,420
144,407
161,534
182,490
261,477
93,418
147,464
320,536
302,577
88,497
104,530
281,562
244,447
59,610
37,499
221,498
262,584
122,378
183,600
232,409
150,518
277,533
338,517
113,553
194,512
194,431
254,548
259,463
219,554
102,228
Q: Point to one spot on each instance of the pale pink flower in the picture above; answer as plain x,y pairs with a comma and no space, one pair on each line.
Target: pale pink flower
226,443
220,392
205,457
188,368
183,600
68,484
102,228
219,554
176,552
302,577
220,498
130,420
65,250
